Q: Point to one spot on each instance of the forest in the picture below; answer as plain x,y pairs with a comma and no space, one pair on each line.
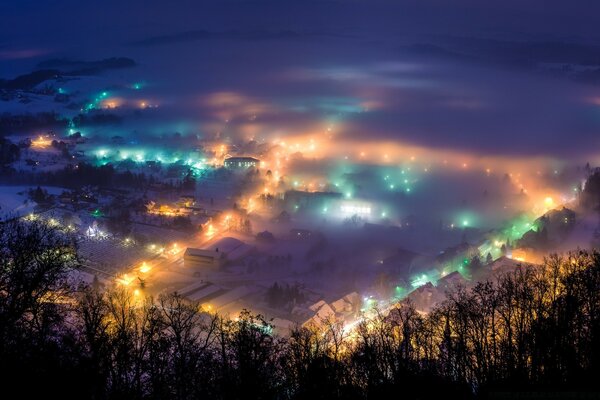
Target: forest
534,330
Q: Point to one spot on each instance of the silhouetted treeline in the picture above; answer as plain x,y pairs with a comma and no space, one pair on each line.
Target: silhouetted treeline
71,67
76,176
49,121
533,329
590,196
96,118
30,80
16,123
9,152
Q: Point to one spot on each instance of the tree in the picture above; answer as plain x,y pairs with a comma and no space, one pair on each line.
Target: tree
188,182
119,221
39,195
475,262
182,223
9,152
34,262
248,357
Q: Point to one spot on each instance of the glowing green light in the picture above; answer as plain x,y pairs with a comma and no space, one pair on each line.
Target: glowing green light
392,186
419,281
465,223
407,190
348,194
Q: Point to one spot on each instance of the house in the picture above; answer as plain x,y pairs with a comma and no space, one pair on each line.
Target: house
283,327
451,281
347,306
505,265
228,297
318,313
426,297
316,200
203,259
231,248
186,201
216,255
241,162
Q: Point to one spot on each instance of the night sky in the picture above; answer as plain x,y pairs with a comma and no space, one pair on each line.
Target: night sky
489,77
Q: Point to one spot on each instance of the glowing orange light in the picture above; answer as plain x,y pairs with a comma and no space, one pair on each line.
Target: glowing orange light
41,143
125,279
145,268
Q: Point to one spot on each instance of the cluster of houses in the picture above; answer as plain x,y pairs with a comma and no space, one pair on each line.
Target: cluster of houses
427,296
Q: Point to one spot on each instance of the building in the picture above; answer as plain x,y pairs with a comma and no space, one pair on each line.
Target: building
451,282
505,265
316,315
347,307
186,201
203,259
294,199
216,255
232,249
241,162
425,297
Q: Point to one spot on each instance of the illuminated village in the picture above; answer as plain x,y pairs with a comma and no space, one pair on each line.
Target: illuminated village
289,200
300,229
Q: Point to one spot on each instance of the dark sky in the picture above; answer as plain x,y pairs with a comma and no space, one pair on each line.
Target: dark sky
500,77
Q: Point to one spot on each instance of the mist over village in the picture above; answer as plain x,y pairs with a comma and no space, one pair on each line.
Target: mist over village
323,199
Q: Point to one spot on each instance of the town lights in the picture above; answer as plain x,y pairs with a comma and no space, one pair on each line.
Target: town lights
210,231
145,268
125,279
174,249
41,142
